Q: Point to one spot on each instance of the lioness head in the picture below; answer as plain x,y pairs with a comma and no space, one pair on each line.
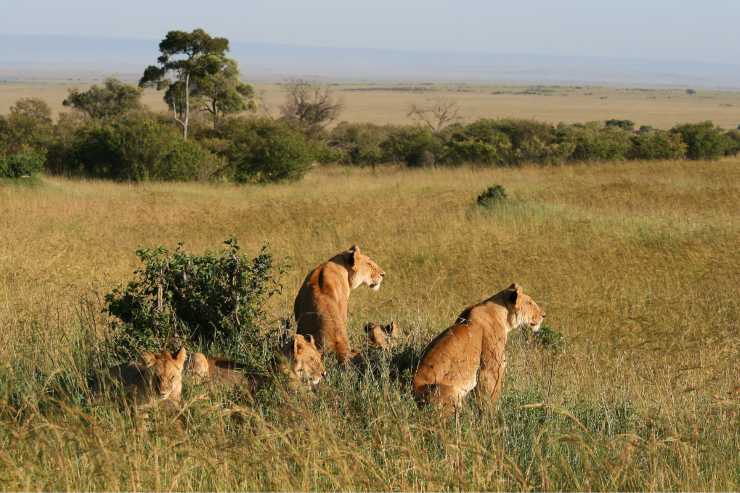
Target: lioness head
523,311
303,361
362,269
163,373
379,335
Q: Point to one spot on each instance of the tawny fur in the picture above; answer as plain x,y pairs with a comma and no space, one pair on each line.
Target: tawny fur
299,361
158,377
380,336
470,353
320,308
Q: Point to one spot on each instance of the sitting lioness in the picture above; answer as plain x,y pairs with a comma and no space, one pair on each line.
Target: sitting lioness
299,361
471,352
320,308
158,377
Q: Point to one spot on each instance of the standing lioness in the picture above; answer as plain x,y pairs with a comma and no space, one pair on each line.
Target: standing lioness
321,305
471,352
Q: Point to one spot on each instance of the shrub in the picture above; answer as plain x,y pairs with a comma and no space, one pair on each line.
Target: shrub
733,142
264,150
180,298
478,142
657,144
591,142
111,100
139,147
414,146
361,143
492,196
703,140
627,125
28,125
26,162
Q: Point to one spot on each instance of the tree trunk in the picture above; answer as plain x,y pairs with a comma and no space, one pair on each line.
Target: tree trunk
187,108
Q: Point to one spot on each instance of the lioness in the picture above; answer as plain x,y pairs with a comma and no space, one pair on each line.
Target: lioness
379,336
471,352
320,308
299,361
158,377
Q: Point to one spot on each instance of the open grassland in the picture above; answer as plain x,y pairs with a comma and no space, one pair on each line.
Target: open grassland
389,103
636,263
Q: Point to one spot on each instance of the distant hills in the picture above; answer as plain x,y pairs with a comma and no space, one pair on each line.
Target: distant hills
60,57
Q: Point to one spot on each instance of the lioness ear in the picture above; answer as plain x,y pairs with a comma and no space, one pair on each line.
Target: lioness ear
354,255
514,291
148,358
180,357
311,340
393,328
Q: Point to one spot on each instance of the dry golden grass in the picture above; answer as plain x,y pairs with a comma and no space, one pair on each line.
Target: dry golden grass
661,108
636,263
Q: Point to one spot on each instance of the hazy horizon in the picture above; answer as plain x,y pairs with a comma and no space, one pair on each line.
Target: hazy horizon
664,43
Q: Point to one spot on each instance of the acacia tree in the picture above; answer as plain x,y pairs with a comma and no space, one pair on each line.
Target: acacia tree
436,115
223,93
104,103
310,106
185,60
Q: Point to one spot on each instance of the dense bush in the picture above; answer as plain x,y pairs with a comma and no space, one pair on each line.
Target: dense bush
26,162
733,142
414,146
703,140
29,125
139,147
361,143
178,298
593,142
263,150
657,144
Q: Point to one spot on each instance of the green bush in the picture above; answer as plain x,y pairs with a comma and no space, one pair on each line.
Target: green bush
264,150
178,298
703,140
414,146
491,196
657,144
26,162
139,147
733,142
361,143
29,125
478,142
627,125
592,142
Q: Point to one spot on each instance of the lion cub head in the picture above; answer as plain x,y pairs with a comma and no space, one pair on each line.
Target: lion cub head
302,361
379,336
163,373
362,269
523,311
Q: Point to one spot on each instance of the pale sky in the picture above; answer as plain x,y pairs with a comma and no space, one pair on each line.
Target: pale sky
638,29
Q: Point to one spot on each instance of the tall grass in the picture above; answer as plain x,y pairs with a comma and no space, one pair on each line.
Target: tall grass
637,264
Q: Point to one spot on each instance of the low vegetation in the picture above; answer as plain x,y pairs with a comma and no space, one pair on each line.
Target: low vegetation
633,387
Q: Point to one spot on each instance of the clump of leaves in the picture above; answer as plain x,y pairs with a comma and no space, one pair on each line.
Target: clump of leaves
546,337
492,196
178,298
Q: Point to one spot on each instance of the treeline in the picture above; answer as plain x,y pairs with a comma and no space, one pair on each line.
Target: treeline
213,133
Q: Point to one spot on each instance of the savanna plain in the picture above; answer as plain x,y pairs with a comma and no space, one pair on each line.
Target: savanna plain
637,265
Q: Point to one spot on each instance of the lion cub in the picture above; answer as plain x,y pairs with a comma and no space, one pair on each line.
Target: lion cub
299,360
380,336
157,377
471,352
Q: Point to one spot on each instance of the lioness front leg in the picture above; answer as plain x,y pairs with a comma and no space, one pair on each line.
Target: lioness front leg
491,379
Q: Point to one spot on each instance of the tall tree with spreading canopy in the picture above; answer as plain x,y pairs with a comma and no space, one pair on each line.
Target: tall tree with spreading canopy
223,93
186,60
